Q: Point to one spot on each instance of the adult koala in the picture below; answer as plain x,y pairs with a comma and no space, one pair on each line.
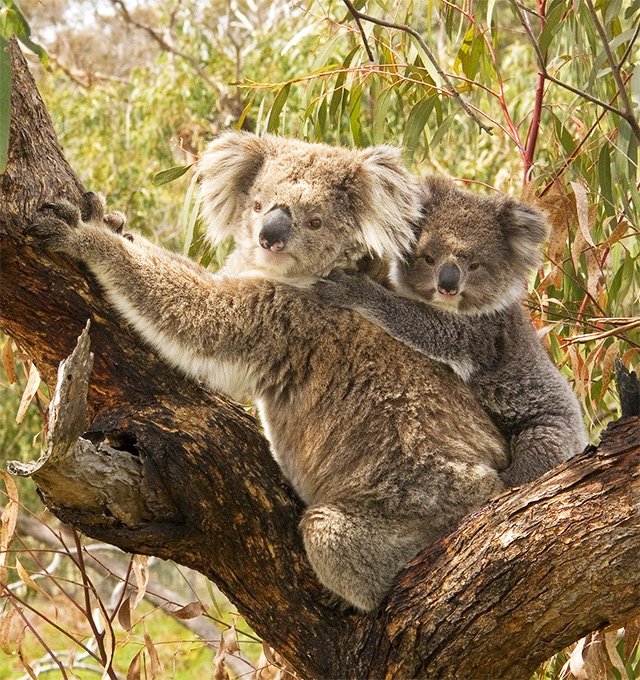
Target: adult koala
387,448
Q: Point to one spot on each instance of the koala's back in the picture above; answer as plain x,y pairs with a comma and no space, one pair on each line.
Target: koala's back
356,416
518,393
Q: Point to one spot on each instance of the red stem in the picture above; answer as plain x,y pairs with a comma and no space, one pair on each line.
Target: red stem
534,126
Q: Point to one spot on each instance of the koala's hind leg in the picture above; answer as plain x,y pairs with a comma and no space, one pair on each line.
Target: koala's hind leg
536,450
355,553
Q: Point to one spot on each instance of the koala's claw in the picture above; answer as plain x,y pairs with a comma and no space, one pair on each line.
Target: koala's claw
52,225
65,211
342,288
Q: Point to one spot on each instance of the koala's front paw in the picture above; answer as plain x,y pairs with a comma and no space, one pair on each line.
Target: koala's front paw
343,289
53,226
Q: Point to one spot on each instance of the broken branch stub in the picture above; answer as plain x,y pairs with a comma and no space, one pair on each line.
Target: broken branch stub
74,472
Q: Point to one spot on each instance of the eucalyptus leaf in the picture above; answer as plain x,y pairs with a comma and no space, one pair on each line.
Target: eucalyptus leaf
169,175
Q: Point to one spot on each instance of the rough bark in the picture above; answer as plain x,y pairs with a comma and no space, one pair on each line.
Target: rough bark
515,582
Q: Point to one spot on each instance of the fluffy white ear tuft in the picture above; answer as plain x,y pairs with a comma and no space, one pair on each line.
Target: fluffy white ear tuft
228,168
526,229
389,203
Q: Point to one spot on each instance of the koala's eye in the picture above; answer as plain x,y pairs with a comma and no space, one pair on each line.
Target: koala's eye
473,266
314,223
429,260
257,206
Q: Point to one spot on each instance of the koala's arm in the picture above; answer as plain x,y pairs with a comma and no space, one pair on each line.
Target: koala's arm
453,339
185,313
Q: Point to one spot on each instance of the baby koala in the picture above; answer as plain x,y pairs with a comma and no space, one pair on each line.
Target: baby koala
457,299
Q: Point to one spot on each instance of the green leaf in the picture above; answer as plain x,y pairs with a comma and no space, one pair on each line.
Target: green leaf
563,135
189,213
382,104
274,114
416,122
462,59
355,100
337,97
490,6
552,25
442,130
321,120
247,109
13,22
613,11
327,51
169,175
604,179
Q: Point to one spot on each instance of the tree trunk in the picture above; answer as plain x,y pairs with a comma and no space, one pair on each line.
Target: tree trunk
193,481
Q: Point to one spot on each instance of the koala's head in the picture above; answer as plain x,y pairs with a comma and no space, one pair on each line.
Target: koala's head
297,210
473,253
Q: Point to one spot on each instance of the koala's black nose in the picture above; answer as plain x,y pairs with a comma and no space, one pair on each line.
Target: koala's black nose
448,279
276,227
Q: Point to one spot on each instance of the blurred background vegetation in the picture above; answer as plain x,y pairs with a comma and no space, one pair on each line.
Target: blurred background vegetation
537,98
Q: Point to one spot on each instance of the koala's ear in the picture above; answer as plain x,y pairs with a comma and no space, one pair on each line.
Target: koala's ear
388,202
526,229
228,168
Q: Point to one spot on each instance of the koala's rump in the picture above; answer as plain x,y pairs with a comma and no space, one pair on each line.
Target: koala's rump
351,413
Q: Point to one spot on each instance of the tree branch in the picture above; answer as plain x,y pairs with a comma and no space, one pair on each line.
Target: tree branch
166,46
516,582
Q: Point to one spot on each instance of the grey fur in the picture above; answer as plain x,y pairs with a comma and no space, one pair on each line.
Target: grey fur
387,448
481,330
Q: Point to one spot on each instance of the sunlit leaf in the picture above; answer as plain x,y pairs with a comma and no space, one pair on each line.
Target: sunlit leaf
169,175
8,362
382,105
190,611
29,392
276,108
418,117
552,24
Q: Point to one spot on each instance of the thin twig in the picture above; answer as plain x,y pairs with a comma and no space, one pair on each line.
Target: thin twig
365,42
357,15
615,71
162,42
604,334
634,37
556,81
573,155
98,635
86,78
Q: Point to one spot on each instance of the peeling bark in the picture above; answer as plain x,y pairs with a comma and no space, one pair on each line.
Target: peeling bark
167,468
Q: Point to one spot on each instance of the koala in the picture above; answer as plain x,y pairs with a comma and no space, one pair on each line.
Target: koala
456,297
386,448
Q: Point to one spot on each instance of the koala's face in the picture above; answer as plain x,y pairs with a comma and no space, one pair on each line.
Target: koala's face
299,217
473,254
298,210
